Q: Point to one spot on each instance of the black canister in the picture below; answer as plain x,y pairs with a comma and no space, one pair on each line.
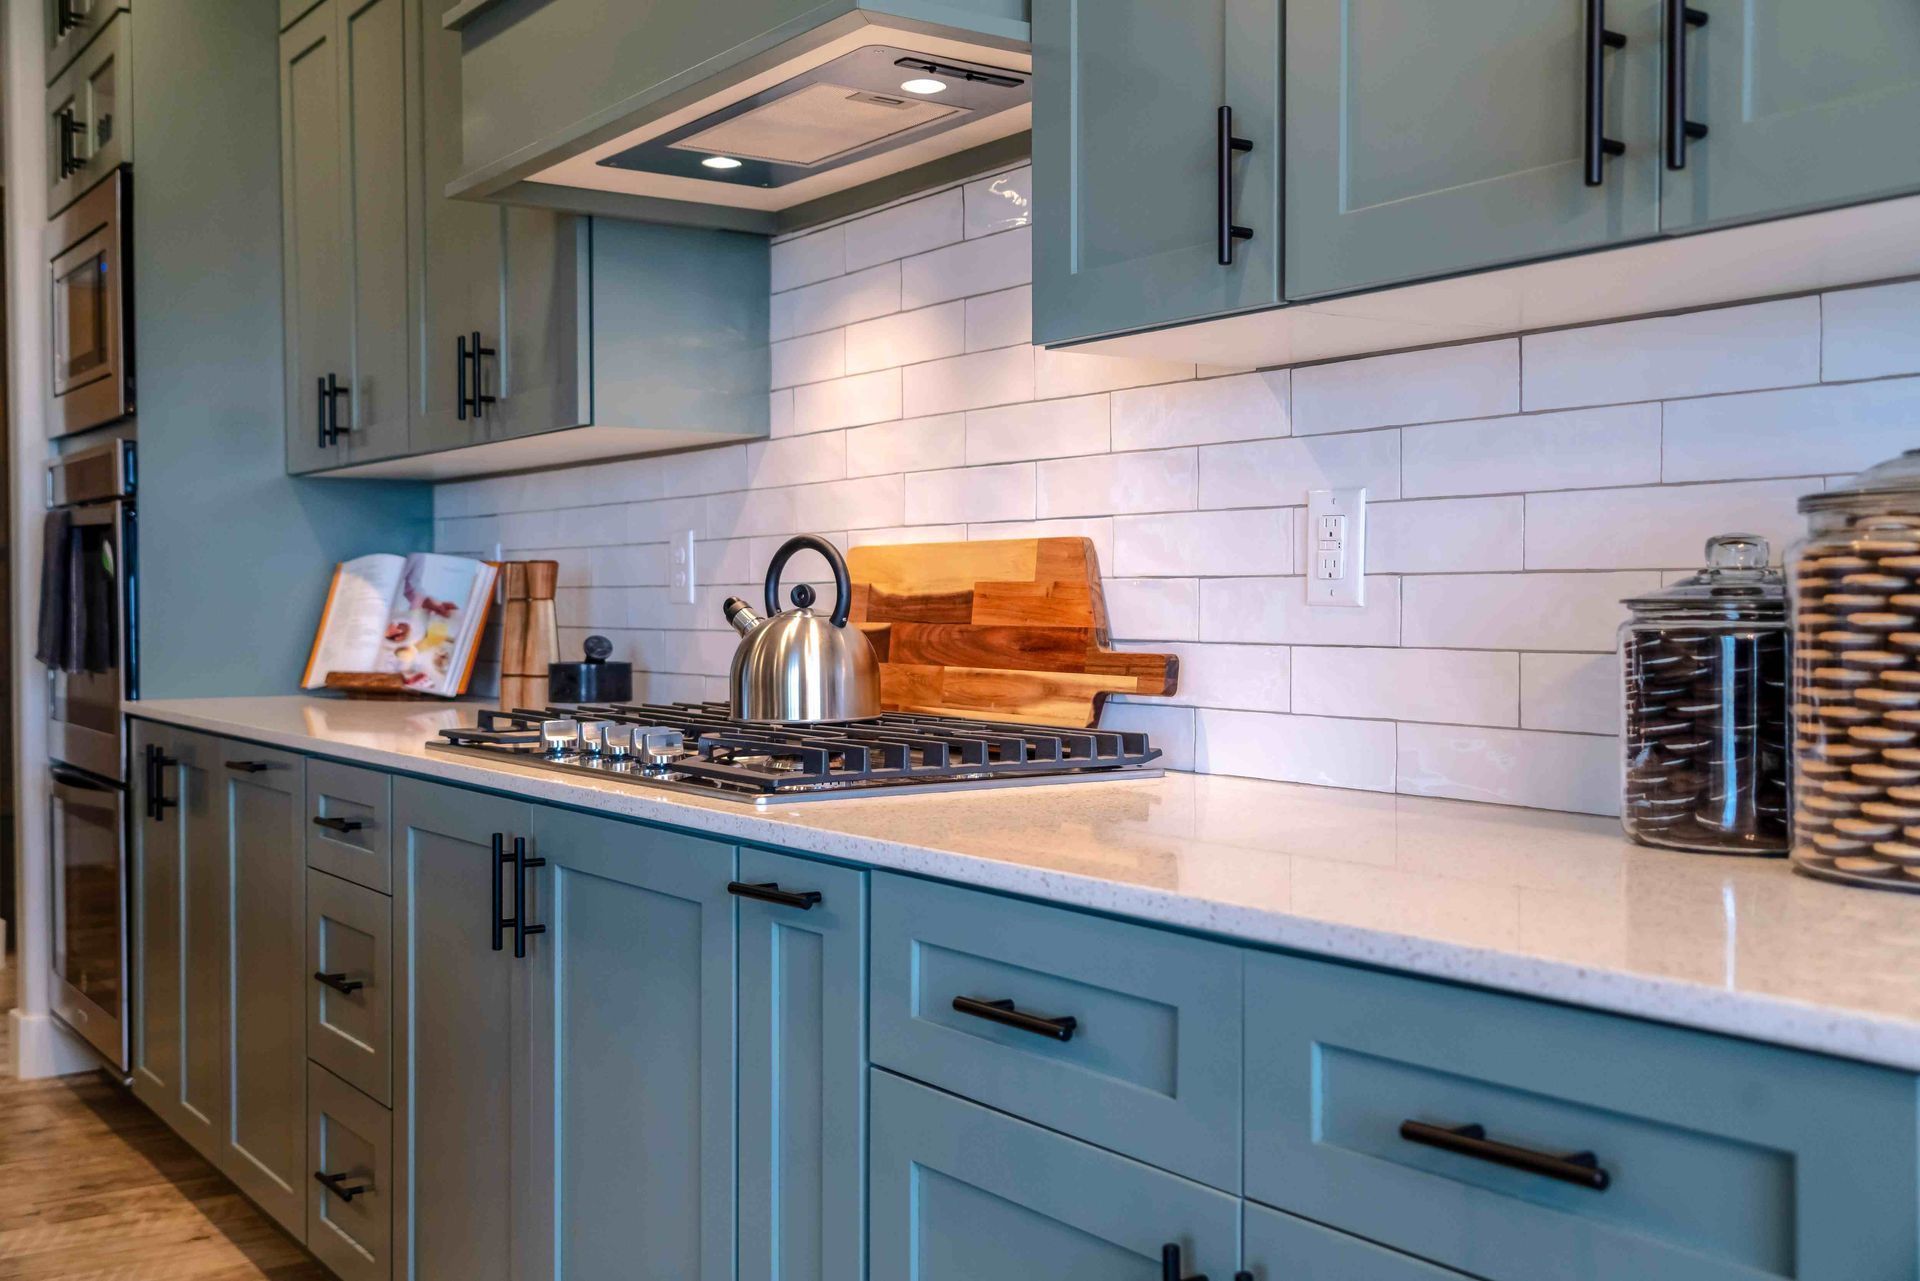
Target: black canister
593,681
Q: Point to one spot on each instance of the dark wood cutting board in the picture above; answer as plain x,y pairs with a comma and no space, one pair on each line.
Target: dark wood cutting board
1013,630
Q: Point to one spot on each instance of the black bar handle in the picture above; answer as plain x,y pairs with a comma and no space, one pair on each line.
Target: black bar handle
148,774
249,767
340,825
157,802
321,401
1170,1269
460,376
331,430
1004,1013
770,892
1229,232
339,982
480,399
1579,1168
1680,130
1599,146
337,1184
501,922
520,927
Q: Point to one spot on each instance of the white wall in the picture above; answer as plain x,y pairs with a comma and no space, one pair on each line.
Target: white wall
1520,488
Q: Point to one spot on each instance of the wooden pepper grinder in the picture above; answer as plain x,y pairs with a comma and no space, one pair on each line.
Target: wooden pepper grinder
513,631
543,633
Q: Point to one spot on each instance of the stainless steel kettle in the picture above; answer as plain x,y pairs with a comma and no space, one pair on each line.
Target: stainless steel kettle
796,665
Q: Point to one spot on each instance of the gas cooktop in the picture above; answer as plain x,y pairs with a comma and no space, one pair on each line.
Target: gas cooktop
699,748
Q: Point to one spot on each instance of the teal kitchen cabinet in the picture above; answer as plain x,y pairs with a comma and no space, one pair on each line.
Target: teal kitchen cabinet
456,1179
960,1193
70,25
623,1117
180,934
1280,1247
88,110
1424,140
802,1078
1805,106
261,805
1132,169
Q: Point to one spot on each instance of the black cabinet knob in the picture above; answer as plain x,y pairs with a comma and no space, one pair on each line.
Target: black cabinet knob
770,892
338,1185
340,825
338,982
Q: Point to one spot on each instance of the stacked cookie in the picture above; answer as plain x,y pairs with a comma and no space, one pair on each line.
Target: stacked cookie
1856,703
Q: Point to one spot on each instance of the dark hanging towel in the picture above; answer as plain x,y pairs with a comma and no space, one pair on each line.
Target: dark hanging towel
94,554
54,646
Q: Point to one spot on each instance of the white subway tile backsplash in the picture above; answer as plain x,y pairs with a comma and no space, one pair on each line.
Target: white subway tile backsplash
797,460
971,267
1576,449
1446,535
1870,333
1659,527
999,203
1478,380
912,444
1465,687
970,494
905,229
1167,727
1517,611
780,413
1153,609
842,300
1204,412
1701,353
805,260
1575,772
907,338
1002,377
1003,319
847,402
1277,473
1580,693
1097,530
1041,429
1296,749
1805,431
1159,481
1067,373
1204,543
1276,610
1253,678
812,358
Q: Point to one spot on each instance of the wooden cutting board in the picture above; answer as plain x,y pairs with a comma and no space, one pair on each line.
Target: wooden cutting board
1013,630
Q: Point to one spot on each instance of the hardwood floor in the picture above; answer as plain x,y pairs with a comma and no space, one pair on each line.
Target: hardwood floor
94,1188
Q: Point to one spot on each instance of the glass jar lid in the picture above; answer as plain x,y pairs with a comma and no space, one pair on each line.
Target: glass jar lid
1895,476
1735,585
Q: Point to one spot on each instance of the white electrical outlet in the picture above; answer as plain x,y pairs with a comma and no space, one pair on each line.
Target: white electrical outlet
680,568
1337,547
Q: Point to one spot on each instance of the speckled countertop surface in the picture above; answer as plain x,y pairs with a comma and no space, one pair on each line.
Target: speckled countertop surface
1550,905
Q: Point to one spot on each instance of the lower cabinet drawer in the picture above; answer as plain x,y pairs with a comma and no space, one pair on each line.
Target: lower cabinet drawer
350,1202
349,1000
1279,1247
959,1192
1516,1140
350,823
1122,1035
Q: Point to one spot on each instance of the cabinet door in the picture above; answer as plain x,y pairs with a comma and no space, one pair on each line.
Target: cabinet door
803,1104
1427,139
90,124
180,1060
1280,1247
961,1192
624,1119
540,375
1126,161
315,258
373,93
453,1033
264,1128
1806,105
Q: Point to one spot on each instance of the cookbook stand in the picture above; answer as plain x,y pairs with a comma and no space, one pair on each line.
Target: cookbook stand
375,685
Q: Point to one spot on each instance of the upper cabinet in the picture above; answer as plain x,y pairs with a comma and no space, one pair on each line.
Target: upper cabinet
89,129
433,338
70,25
1156,148
754,115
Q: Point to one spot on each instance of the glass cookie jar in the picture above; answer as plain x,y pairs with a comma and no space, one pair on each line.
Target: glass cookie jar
1704,664
1855,585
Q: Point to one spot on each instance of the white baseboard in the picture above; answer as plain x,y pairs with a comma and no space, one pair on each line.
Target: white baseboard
43,1046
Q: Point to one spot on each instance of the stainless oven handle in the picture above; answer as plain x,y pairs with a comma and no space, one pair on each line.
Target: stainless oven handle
69,777
93,514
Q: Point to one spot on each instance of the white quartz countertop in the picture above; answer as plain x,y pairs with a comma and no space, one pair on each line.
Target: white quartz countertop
1555,906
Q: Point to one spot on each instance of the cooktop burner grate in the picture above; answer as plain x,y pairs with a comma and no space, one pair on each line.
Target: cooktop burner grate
713,753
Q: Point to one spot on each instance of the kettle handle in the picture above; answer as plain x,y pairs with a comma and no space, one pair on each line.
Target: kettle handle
842,582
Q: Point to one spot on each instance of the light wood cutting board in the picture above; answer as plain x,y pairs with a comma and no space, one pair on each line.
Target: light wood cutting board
1013,630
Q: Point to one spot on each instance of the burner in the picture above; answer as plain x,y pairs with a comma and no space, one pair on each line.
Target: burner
699,747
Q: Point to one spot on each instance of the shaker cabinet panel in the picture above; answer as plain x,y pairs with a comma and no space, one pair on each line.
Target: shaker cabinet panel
1424,140
316,255
349,941
1805,105
89,120
1128,163
1280,1247
70,25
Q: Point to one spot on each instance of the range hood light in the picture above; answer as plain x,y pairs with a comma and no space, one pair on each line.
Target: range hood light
721,162
924,85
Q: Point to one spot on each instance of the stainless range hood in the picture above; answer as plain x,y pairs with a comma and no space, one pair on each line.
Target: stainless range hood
793,127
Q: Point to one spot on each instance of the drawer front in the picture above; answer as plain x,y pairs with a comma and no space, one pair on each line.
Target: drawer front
963,1193
349,1140
1279,1247
349,823
349,946
1723,1159
1152,1067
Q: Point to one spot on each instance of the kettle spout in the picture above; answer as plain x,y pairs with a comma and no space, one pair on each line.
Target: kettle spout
741,615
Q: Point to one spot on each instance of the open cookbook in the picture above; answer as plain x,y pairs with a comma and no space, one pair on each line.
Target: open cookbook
418,617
